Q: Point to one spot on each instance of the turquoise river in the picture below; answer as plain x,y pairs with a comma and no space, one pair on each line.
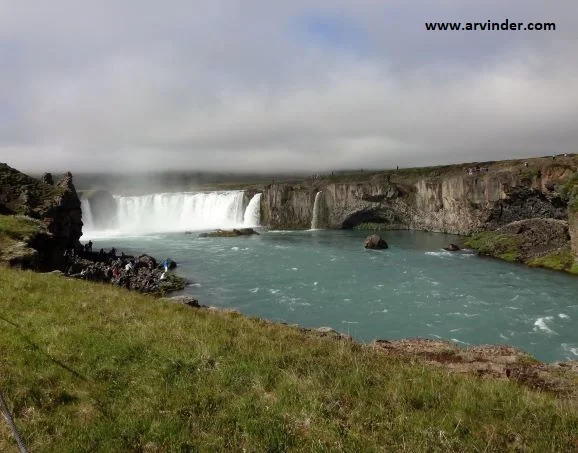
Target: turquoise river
413,289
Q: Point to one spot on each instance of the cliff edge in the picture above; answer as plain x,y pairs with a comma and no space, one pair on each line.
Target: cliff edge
55,208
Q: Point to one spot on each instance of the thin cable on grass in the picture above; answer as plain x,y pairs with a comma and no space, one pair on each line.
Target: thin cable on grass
12,425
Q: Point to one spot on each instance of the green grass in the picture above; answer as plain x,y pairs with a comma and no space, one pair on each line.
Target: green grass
527,176
19,227
371,226
569,185
15,234
500,245
559,260
88,367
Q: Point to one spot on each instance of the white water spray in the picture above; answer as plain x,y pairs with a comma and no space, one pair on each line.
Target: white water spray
252,217
316,208
87,222
172,212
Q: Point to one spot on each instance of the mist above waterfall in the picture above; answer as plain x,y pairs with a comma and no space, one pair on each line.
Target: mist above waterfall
175,212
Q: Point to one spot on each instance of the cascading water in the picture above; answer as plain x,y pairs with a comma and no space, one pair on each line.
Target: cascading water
167,212
316,208
252,217
87,222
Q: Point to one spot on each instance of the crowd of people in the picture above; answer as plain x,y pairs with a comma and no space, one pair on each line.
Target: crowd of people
142,273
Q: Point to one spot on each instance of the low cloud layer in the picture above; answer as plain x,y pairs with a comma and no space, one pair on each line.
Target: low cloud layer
307,85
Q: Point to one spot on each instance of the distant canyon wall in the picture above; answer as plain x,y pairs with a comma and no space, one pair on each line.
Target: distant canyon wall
452,203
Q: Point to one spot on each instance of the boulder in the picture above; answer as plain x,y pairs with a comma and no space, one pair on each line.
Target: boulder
375,242
185,300
452,248
147,261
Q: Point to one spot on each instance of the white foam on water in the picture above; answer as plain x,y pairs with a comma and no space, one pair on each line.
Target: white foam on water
235,248
502,336
464,315
570,348
540,325
294,269
563,316
440,254
254,290
455,340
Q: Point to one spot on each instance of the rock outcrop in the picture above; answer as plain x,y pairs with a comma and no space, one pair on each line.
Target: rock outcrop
141,273
452,248
491,361
56,206
536,242
229,233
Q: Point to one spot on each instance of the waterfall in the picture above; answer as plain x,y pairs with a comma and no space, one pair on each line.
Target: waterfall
316,208
87,222
172,212
252,217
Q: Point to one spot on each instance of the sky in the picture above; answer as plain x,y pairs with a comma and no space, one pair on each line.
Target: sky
278,86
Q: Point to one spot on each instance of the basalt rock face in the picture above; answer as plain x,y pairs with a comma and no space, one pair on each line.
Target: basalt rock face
573,229
525,202
57,206
286,206
454,202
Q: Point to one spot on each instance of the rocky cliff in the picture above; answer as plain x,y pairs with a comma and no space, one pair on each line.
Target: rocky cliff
56,206
450,201
573,225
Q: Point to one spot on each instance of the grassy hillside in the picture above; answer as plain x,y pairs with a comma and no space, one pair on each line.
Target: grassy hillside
86,367
15,234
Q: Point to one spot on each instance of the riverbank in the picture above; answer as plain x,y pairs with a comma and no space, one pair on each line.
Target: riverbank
112,370
534,242
21,246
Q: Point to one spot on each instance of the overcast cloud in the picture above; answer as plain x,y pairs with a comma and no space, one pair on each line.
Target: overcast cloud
257,85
